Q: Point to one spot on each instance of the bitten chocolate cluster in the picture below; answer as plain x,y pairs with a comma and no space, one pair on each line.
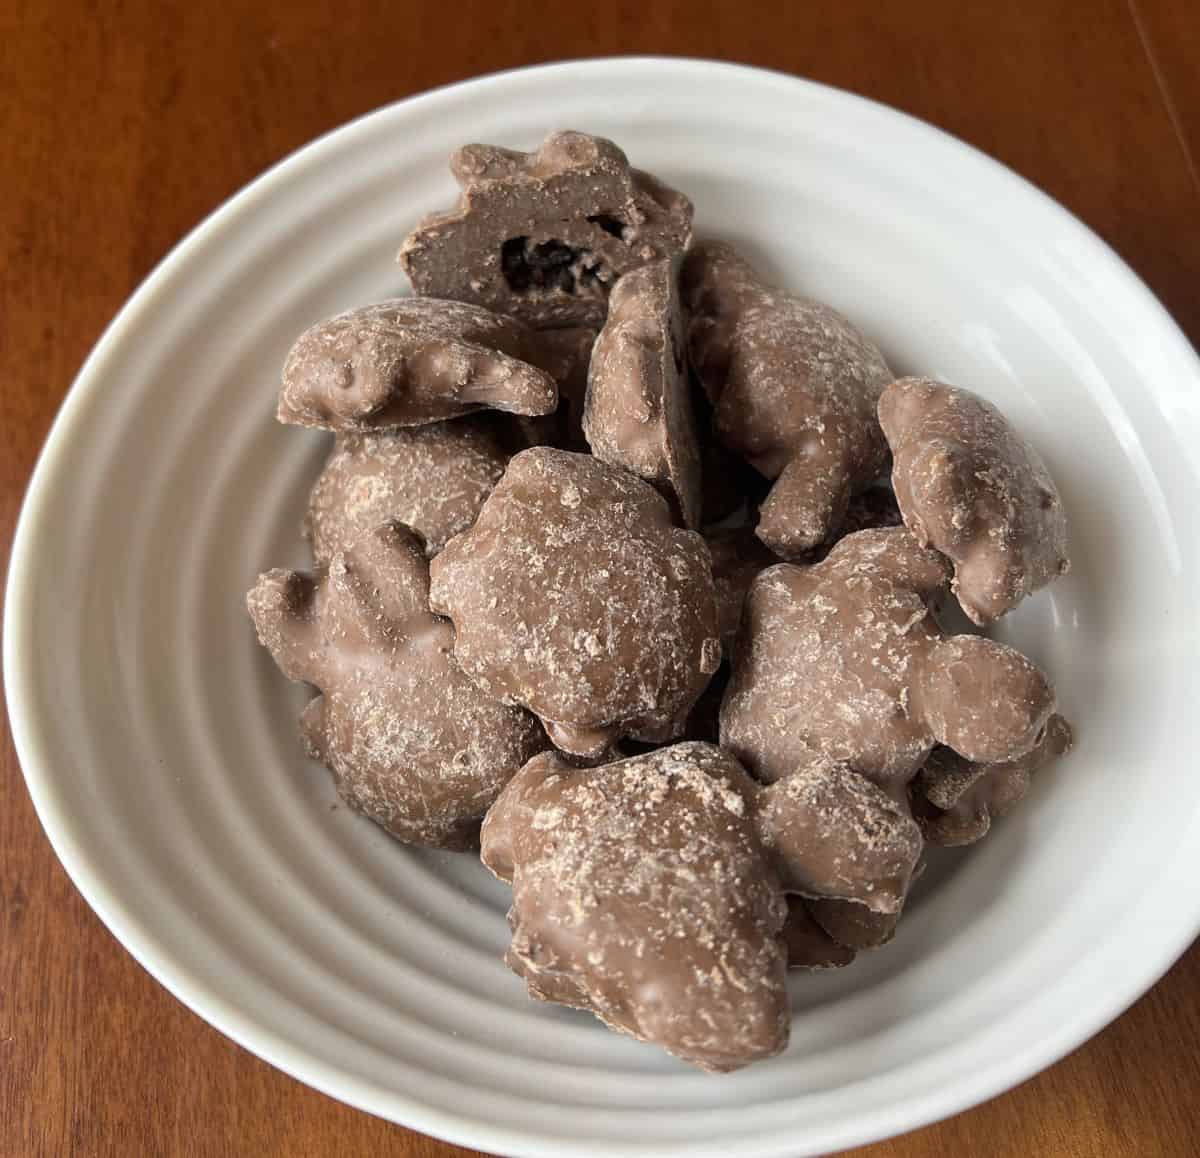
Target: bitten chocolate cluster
627,573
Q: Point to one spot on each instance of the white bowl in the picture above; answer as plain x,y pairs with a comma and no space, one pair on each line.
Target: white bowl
159,742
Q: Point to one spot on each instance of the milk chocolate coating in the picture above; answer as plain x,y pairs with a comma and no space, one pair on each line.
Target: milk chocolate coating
638,413
410,361
544,236
971,486
955,801
737,558
795,387
808,945
411,741
575,596
641,892
853,926
832,833
844,658
432,478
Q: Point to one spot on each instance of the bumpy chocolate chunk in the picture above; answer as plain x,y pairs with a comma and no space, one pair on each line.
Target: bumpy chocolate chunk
737,558
795,388
971,486
431,478
410,361
808,945
638,413
832,833
412,741
574,595
641,892
955,801
544,236
853,926
844,658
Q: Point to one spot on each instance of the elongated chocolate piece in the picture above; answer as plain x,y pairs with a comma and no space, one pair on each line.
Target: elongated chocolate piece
795,388
544,236
969,485
638,413
411,741
410,361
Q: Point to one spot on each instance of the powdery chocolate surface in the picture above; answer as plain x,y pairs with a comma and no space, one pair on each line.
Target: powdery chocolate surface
832,833
955,801
432,478
544,236
638,413
410,361
641,892
795,388
843,658
411,740
574,595
971,486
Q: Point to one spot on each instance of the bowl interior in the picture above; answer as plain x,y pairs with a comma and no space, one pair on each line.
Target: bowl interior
160,745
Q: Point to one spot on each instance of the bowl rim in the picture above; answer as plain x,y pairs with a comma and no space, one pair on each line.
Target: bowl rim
180,980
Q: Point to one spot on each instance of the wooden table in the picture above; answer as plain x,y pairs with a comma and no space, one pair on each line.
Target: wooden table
123,123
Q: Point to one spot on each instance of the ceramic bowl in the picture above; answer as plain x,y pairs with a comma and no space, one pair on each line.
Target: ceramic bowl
159,742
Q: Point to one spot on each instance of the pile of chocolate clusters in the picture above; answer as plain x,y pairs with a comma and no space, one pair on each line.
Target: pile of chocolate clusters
610,583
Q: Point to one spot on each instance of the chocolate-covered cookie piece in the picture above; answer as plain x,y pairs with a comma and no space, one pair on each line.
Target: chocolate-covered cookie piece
432,478
795,388
955,801
413,743
544,236
409,361
844,658
641,892
638,413
574,595
971,486
809,947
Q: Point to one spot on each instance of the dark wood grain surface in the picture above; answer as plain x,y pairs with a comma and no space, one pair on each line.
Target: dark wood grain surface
122,124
